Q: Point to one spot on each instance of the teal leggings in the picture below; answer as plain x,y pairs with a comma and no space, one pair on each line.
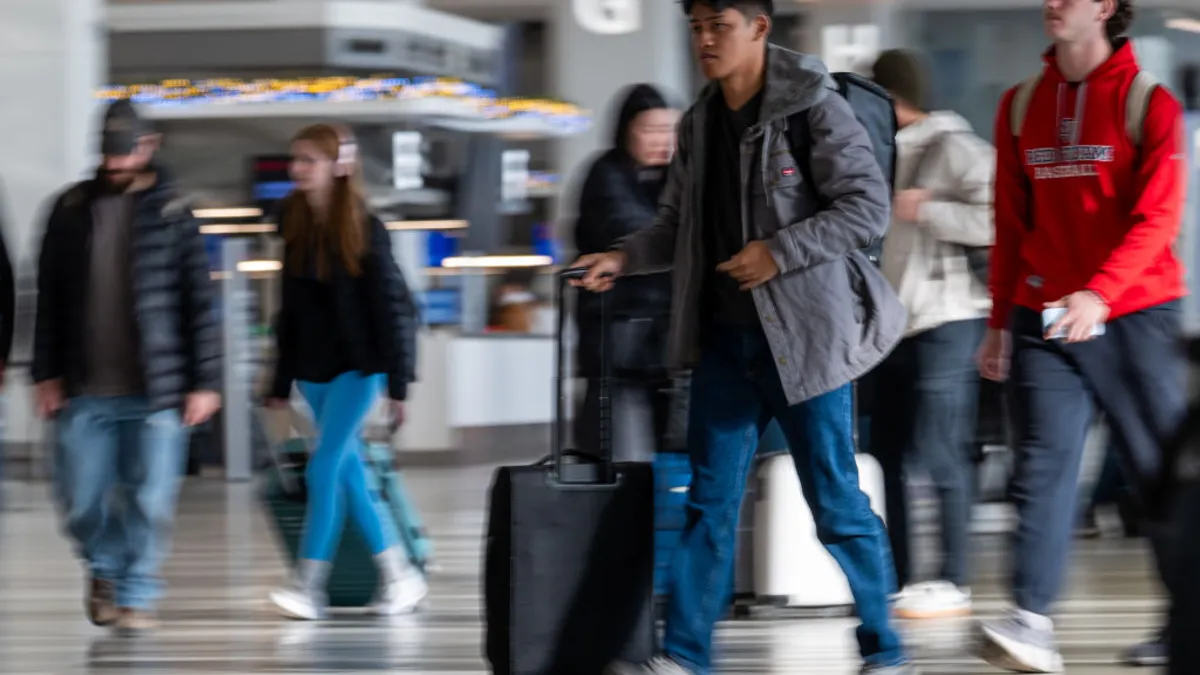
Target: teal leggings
336,475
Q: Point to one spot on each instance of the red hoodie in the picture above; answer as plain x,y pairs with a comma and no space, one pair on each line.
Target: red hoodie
1105,213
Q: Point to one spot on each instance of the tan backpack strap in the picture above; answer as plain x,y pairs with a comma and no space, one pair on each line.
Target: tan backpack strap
1020,103
1137,103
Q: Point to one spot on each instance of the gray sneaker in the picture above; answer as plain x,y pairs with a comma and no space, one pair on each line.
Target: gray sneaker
902,669
1016,645
659,665
1152,654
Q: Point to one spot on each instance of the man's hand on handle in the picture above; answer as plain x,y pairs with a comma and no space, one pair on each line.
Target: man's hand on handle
602,270
995,354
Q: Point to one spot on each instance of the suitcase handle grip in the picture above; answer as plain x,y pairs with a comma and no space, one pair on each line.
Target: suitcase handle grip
558,442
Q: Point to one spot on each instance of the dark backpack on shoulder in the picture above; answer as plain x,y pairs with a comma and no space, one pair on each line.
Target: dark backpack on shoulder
875,110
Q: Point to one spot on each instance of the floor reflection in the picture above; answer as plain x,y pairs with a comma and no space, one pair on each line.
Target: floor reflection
216,619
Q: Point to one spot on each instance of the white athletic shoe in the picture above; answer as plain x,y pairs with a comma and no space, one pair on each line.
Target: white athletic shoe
402,596
932,600
296,603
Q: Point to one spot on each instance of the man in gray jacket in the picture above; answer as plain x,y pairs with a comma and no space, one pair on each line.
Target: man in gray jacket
776,309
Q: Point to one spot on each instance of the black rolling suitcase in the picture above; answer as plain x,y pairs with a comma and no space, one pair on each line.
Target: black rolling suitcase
569,562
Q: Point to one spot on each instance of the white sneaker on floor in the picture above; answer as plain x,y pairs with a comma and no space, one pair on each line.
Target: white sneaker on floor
932,600
402,596
295,603
1022,643
659,665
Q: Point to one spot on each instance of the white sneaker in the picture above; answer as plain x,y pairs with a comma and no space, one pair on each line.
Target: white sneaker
295,603
659,665
1022,642
402,596
932,600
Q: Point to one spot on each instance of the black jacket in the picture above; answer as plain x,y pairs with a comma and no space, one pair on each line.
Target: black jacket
8,302
616,202
366,323
173,294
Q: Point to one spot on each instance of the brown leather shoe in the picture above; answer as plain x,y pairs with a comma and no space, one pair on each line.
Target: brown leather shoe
135,621
102,602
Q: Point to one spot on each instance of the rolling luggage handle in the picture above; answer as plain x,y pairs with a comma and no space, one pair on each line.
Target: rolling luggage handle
273,445
581,472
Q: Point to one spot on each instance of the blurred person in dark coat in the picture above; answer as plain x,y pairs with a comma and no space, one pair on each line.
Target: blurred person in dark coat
8,303
619,197
1177,502
126,360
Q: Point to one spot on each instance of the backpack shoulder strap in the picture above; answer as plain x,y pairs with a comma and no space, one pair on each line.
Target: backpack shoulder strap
799,144
797,134
1137,102
1020,103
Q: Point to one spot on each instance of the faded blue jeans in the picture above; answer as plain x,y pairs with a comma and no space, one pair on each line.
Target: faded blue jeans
735,393
118,447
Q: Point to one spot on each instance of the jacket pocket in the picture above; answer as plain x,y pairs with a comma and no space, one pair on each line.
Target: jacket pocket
860,295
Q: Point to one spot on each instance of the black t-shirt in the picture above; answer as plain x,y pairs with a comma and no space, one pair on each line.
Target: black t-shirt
724,234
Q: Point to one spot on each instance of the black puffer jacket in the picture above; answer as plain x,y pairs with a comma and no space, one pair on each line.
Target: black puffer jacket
618,199
173,294
366,323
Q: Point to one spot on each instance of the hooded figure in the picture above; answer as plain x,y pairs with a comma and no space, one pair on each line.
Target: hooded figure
619,197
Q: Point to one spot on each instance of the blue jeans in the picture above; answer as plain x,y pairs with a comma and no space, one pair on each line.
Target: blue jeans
735,393
118,444
336,476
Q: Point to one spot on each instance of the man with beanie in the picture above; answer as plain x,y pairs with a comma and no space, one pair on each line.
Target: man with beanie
1086,289
941,221
126,359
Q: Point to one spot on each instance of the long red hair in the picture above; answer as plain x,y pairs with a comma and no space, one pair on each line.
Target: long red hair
313,244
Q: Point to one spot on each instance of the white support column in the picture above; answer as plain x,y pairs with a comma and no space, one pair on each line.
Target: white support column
52,59
598,48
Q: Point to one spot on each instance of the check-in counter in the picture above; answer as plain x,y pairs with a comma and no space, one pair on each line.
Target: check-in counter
488,382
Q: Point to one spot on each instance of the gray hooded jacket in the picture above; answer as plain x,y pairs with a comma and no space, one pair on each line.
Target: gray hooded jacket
830,316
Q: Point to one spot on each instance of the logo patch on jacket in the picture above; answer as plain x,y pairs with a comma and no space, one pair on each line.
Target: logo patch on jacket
787,171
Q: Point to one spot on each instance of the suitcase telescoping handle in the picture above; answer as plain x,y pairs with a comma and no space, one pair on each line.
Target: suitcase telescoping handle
581,471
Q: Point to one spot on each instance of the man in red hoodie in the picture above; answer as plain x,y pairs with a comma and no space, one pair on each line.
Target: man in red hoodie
1086,296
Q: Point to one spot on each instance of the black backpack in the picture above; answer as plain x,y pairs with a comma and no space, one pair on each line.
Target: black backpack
875,110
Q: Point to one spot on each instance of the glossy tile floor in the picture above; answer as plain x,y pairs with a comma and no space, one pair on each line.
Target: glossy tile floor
225,561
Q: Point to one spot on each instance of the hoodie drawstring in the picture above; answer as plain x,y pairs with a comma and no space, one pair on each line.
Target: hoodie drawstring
1076,132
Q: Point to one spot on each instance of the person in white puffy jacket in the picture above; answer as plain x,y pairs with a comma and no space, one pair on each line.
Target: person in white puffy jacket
935,255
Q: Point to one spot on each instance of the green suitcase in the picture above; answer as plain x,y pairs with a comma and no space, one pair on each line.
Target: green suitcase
353,577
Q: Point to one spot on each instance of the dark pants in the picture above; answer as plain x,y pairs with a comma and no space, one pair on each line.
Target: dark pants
1185,615
1135,373
735,393
930,390
1110,485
